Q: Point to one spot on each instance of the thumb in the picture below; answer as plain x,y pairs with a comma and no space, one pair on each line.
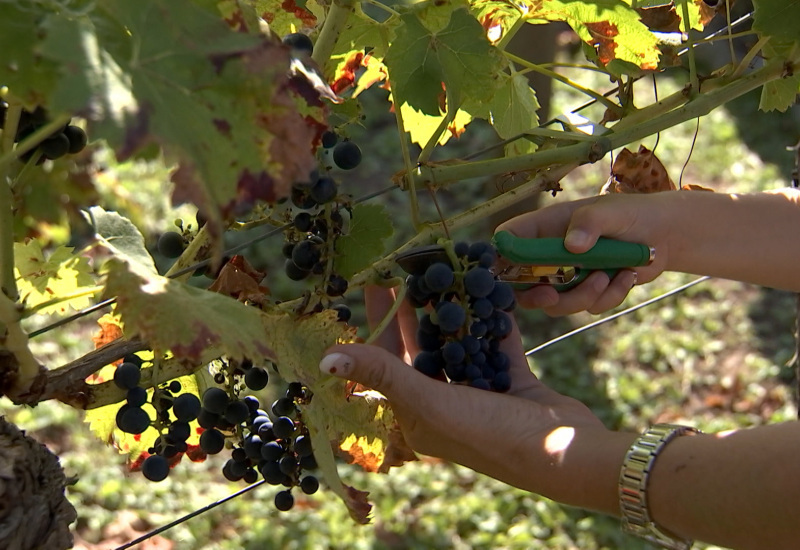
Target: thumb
589,222
371,366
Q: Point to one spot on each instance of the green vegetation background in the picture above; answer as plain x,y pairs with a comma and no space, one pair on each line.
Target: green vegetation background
714,356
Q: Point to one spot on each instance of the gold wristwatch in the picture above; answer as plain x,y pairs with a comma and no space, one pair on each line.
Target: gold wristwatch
633,480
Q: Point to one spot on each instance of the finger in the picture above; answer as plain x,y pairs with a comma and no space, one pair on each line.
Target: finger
522,378
378,301
580,298
551,221
409,324
615,293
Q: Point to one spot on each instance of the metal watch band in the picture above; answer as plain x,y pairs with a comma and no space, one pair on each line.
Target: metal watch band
633,479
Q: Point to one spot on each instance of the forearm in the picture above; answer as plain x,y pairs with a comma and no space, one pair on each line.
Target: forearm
740,491
751,237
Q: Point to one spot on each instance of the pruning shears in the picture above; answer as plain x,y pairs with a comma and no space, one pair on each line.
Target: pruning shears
545,261
526,263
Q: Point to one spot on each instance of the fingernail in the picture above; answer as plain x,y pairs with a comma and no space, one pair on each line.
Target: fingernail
576,238
337,364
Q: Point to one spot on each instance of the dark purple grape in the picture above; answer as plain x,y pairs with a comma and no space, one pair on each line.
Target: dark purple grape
272,451
299,41
77,139
502,382
343,312
346,155
479,282
306,254
180,431
439,277
329,139
303,221
134,420
127,376
453,352
502,296
236,412
450,316
481,384
256,378
324,190
155,468
136,396
212,441
294,272
171,244
428,363
309,485
283,427
55,146
337,285
186,407
284,500
215,400
482,308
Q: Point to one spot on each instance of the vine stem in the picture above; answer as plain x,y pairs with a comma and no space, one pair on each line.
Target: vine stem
16,342
695,82
32,141
563,79
667,113
335,21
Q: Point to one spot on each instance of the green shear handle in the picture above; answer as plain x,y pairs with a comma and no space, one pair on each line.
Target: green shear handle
527,257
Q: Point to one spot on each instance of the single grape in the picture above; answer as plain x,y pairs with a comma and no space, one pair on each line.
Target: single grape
186,407
55,146
306,254
250,475
324,190
272,451
77,138
284,500
283,407
457,372
439,277
308,463
302,445
481,384
272,472
309,485
476,250
502,382
265,431
482,308
346,155
174,386
478,359
479,282
171,244
428,363
288,465
343,312
233,471
287,250
252,403
134,420
461,249
337,285
239,454
294,272
453,352
427,341
252,446
155,468
136,396
127,376
212,441
215,400
472,371
236,412
302,221
256,378
450,316
471,344
329,139
133,358
299,41
283,427
301,197
502,325
499,361
295,389
502,296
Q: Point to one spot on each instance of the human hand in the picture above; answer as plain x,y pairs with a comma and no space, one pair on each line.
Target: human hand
526,437
634,218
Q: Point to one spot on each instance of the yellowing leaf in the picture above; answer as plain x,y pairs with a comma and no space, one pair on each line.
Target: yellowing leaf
420,126
191,323
370,226
63,279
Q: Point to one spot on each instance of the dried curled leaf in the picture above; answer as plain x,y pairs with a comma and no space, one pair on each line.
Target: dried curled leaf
639,172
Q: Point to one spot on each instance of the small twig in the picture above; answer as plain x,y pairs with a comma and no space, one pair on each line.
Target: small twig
693,78
387,319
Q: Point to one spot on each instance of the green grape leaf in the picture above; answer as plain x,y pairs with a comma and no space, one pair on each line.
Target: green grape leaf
62,280
370,226
191,323
421,127
779,95
496,16
458,59
120,236
612,28
778,19
30,76
513,111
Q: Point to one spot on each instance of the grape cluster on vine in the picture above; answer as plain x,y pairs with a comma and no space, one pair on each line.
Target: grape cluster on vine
317,220
275,445
70,139
459,337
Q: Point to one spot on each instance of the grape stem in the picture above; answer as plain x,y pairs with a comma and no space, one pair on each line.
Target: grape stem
693,79
15,341
400,295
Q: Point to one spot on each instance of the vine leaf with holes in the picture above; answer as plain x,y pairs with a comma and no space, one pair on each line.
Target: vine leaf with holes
62,274
779,21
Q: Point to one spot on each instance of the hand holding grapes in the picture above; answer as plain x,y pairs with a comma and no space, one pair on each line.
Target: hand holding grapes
487,431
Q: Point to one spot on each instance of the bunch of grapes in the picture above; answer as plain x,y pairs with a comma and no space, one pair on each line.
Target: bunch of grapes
174,428
68,140
317,221
277,446
460,336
